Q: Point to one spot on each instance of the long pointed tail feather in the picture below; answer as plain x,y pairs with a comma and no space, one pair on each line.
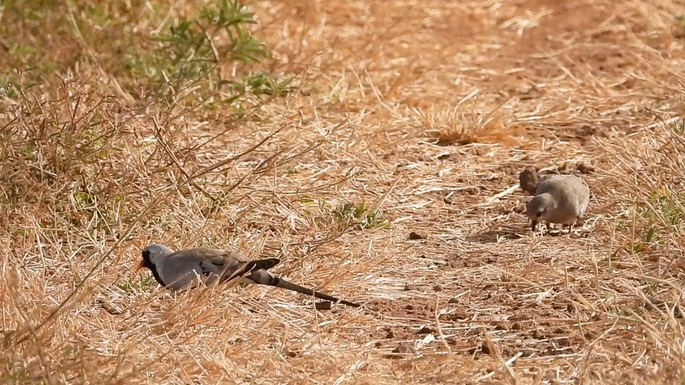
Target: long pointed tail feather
264,278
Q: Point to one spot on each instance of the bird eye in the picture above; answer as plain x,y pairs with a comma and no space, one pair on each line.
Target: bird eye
539,214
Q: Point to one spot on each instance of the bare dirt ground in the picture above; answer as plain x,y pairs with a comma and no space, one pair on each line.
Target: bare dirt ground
426,111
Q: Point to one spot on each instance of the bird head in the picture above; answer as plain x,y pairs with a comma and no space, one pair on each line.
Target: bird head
152,253
538,207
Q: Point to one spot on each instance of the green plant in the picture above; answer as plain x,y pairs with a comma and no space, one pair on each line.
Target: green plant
207,53
361,215
663,212
679,23
197,47
259,84
137,283
669,206
648,238
678,126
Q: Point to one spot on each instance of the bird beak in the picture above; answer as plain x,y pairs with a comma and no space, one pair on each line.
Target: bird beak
140,265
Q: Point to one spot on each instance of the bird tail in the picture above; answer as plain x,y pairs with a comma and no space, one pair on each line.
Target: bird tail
264,278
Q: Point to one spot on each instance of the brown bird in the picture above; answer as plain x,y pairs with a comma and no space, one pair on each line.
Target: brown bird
559,199
180,269
529,180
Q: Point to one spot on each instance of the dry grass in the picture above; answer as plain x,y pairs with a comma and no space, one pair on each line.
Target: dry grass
425,111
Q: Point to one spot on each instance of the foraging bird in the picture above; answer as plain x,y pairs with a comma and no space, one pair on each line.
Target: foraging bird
177,270
559,199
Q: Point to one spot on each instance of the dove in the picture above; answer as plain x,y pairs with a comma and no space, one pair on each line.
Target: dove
176,270
559,199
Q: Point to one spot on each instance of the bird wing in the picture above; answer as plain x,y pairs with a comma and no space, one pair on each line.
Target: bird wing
571,193
180,269
184,266
551,184
225,266
583,197
215,264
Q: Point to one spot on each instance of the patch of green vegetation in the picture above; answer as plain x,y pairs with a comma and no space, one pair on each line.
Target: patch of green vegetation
647,239
197,47
664,212
7,89
208,51
355,215
679,125
138,283
680,24
259,84
668,205
199,51
23,41
84,200
360,215
195,40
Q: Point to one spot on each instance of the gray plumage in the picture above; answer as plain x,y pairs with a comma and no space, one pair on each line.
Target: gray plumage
180,269
559,199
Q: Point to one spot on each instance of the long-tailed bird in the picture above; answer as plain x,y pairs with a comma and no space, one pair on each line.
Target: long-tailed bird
179,269
559,199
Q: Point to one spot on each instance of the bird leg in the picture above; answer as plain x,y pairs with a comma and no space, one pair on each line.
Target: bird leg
580,221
